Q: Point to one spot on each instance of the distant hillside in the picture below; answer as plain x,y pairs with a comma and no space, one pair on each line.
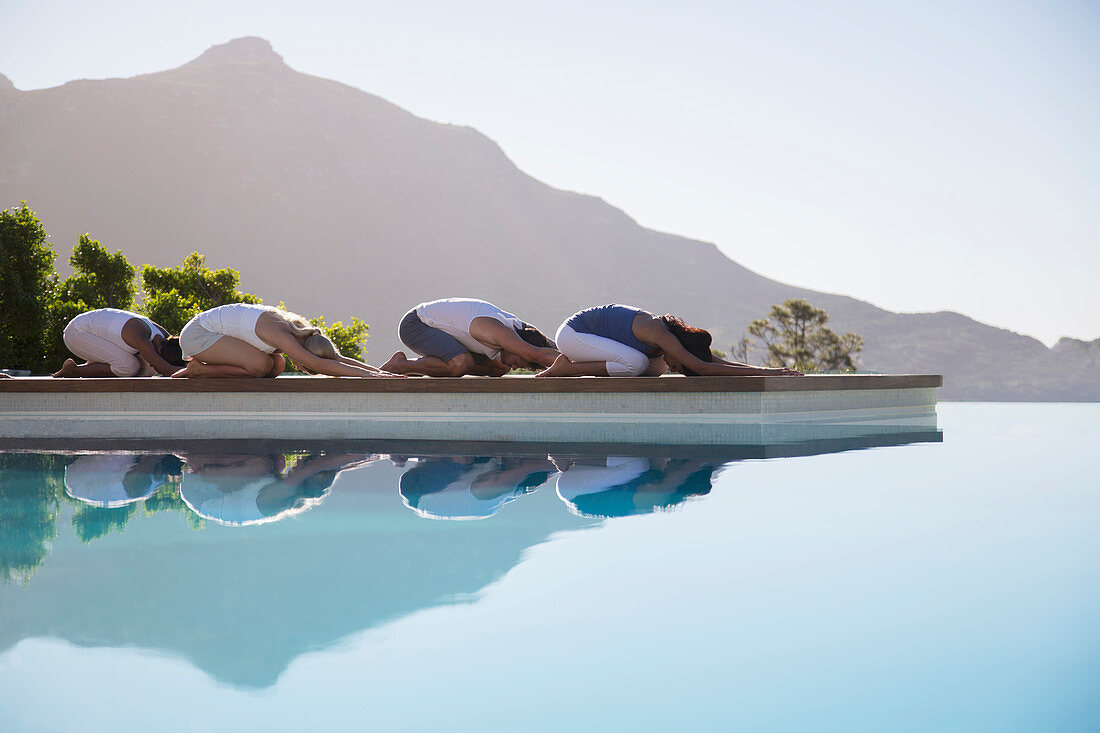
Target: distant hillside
340,203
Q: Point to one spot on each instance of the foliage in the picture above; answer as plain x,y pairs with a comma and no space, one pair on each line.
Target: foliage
52,351
167,499
30,487
174,295
100,280
347,339
35,307
92,522
27,283
794,335
740,351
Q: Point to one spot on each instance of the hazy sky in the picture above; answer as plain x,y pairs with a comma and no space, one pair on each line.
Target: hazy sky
920,155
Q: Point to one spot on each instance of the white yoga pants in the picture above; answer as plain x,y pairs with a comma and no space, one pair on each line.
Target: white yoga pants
620,359
97,349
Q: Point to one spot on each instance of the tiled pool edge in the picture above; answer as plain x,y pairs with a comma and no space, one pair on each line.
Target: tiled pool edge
697,411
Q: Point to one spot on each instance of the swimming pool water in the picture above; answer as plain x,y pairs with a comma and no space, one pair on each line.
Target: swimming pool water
922,586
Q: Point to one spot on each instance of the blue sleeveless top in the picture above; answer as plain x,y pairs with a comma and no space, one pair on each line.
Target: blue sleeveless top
612,321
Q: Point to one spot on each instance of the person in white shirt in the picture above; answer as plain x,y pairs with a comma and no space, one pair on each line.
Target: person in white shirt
242,490
112,480
246,340
118,343
460,487
458,336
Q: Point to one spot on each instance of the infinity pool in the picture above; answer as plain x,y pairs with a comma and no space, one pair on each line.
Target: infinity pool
917,586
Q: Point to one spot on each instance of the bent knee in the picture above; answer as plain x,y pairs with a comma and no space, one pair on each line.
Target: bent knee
460,364
628,367
278,365
126,367
260,369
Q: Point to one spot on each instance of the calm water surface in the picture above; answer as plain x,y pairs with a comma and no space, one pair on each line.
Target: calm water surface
923,586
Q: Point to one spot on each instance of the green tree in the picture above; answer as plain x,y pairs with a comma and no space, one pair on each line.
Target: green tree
92,522
794,335
100,280
30,487
27,284
174,295
52,351
167,499
348,339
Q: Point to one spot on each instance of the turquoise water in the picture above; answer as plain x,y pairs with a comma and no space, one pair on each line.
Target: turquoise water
919,586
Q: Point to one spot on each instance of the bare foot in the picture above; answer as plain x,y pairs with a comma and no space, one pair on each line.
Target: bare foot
68,369
397,362
559,368
194,368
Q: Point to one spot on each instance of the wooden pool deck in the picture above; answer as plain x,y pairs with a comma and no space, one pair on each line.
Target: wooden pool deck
668,410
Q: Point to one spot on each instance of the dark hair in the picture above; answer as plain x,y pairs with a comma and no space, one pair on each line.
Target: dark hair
535,337
170,465
695,340
171,352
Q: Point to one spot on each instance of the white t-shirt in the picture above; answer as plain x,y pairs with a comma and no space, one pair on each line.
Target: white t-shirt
237,320
107,323
230,500
457,501
98,479
454,316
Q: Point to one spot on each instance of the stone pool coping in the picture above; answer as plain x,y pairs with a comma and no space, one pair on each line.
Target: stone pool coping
662,410
463,385
441,448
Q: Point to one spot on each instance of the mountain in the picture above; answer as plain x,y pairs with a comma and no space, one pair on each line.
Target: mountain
339,203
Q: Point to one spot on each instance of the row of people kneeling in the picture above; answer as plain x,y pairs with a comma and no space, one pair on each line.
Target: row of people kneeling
247,489
451,337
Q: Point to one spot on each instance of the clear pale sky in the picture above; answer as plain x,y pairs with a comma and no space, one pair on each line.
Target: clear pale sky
921,155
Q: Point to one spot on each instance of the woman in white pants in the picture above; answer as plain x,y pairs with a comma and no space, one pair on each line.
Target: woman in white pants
245,340
118,343
623,341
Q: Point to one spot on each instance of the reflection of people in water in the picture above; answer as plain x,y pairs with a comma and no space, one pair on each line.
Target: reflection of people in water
621,486
111,480
468,488
240,490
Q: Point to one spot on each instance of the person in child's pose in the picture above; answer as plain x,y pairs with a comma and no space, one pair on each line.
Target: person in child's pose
457,336
118,343
624,341
245,340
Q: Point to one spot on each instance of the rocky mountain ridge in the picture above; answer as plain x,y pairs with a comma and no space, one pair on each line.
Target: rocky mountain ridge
340,203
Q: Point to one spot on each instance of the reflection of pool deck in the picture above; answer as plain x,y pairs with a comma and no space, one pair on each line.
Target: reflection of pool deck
668,410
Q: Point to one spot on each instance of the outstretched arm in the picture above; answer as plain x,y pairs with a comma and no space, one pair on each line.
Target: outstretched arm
656,333
781,371
485,367
497,335
356,363
290,346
